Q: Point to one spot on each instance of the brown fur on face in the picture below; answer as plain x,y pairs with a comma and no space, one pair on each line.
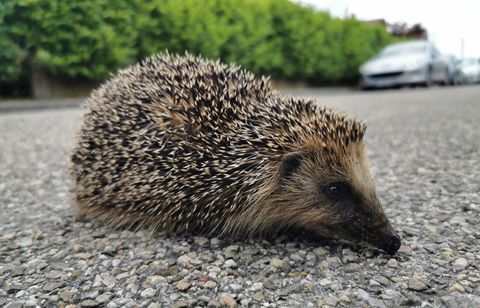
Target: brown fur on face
184,144
299,199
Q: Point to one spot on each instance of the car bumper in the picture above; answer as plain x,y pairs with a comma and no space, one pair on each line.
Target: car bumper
393,79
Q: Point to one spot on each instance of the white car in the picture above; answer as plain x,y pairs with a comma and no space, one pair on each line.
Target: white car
407,63
468,71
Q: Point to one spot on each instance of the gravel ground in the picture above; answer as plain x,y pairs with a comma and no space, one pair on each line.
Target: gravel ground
424,148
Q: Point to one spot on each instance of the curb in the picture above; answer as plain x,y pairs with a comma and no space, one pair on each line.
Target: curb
40,104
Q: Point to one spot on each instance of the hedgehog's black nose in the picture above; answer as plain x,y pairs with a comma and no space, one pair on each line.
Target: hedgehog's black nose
393,244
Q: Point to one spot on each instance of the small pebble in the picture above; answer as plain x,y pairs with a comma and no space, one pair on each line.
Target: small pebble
78,248
228,301
320,251
392,262
88,303
417,284
210,284
460,264
149,292
362,294
276,262
456,287
230,264
257,286
84,255
182,285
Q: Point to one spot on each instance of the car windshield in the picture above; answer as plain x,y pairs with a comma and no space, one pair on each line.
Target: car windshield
408,48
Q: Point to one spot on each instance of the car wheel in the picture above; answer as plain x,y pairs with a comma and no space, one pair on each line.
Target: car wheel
428,78
446,78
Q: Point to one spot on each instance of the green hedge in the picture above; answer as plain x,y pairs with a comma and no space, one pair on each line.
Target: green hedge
90,38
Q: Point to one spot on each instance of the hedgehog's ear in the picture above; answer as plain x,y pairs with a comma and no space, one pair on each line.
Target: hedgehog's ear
289,164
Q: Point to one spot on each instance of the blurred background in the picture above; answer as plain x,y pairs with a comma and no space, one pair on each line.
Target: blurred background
54,48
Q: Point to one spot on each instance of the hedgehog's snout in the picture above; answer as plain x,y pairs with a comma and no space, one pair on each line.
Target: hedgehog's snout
392,244
385,238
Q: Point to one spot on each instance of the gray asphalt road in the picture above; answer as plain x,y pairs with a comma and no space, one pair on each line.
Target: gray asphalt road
424,149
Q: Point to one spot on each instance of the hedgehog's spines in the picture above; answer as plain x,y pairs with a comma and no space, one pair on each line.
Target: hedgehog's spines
181,143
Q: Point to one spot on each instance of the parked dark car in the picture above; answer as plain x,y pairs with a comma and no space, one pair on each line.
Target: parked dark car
407,63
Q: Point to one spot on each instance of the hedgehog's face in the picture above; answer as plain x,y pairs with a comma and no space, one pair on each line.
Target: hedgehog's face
334,194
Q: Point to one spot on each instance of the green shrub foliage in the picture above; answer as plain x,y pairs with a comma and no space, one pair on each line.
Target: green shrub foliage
91,38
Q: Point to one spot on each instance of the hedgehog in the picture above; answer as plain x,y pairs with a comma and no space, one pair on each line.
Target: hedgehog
184,144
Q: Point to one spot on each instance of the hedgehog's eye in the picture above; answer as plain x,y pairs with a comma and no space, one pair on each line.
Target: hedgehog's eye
337,190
